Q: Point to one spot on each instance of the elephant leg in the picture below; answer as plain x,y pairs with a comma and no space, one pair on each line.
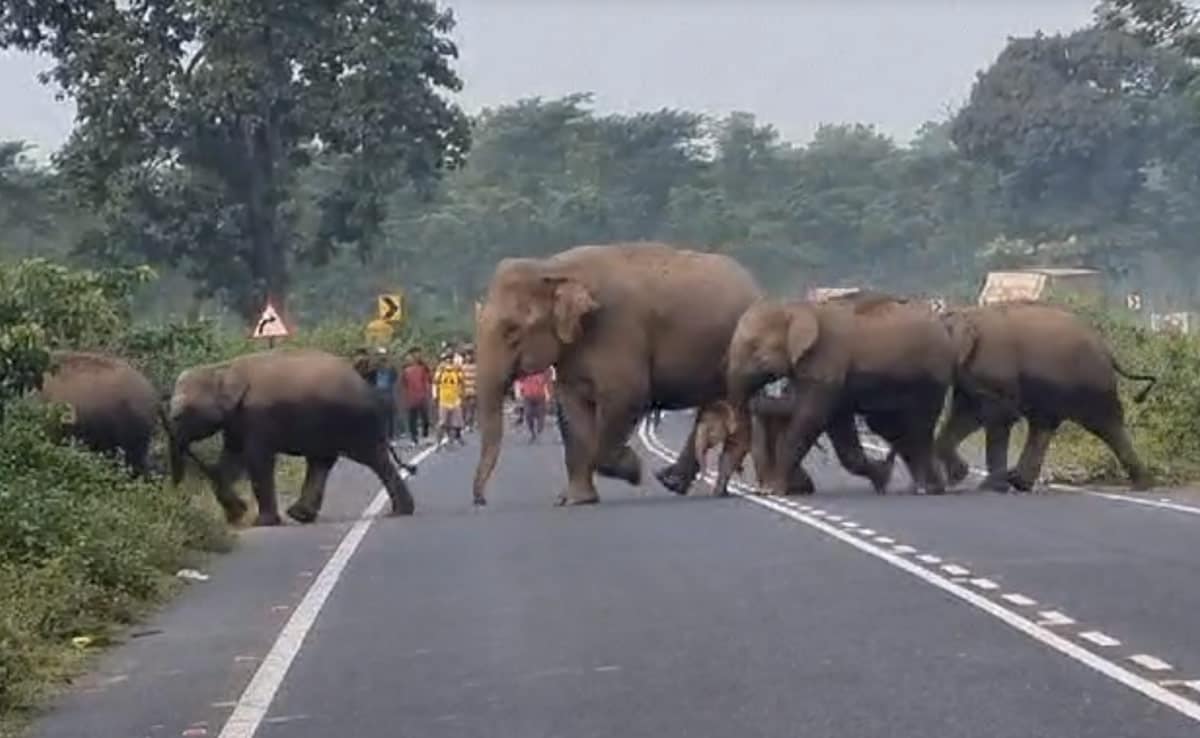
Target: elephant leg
261,465
733,453
963,421
997,434
621,463
1115,435
227,472
813,406
848,446
312,493
1029,465
378,459
580,451
762,449
679,474
919,425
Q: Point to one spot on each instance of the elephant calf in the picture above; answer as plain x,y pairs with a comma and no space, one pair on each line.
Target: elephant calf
1038,362
114,406
299,402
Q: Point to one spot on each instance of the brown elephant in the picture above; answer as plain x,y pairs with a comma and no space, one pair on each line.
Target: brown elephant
1042,363
114,407
628,327
884,358
300,402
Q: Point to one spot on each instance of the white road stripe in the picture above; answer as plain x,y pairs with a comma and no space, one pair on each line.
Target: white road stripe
1153,663
1100,639
885,540
834,518
866,532
985,584
849,524
930,559
955,570
1014,620
904,550
1019,599
256,699
1054,617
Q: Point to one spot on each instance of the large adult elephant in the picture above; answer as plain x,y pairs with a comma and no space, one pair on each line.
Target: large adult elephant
300,402
886,359
627,327
114,407
1042,363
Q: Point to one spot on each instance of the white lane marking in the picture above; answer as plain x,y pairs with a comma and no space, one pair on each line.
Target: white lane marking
866,532
885,540
1100,639
1153,663
904,550
834,518
930,559
1193,685
985,584
1019,599
955,570
1162,503
849,524
1098,663
1054,617
256,699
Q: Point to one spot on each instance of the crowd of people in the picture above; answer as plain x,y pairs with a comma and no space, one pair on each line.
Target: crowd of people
438,404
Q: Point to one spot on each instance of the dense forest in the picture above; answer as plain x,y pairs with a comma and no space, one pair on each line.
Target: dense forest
1079,149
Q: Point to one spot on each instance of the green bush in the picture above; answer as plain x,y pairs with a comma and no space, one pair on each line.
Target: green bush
82,546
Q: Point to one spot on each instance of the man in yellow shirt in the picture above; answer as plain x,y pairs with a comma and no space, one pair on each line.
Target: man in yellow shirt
447,388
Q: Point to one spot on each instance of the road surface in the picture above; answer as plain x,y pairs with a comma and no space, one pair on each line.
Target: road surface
840,614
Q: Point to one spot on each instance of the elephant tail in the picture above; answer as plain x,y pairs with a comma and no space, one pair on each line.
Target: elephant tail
1150,379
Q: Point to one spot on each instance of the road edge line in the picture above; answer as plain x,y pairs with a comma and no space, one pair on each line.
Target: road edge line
254,702
1040,634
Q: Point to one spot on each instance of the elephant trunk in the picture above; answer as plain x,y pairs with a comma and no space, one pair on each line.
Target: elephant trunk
494,378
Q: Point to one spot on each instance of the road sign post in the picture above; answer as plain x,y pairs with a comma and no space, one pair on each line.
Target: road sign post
270,326
379,332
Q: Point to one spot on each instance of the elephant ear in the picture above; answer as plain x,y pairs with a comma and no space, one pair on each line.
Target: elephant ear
231,390
803,331
572,301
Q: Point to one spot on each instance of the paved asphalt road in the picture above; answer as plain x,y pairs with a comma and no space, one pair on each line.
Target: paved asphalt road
842,614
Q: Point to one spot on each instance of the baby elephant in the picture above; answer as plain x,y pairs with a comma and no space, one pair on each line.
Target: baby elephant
718,425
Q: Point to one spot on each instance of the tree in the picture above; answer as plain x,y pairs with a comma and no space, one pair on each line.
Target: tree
195,118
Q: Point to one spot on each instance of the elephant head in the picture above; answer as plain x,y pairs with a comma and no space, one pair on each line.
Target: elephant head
533,312
770,338
203,400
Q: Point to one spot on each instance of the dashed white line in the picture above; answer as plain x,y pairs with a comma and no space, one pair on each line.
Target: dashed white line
955,570
930,559
1100,639
985,584
1054,617
1152,663
834,518
885,540
254,702
1111,669
868,532
903,549
849,524
1019,599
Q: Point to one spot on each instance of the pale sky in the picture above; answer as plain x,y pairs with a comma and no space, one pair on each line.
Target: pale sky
795,64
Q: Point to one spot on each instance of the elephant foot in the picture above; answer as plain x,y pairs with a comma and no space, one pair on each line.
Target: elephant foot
994,484
267,520
673,480
573,499
479,501
626,466
956,471
1142,484
235,510
403,507
301,513
1020,483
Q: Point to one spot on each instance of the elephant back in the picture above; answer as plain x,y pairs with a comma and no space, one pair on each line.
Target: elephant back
111,401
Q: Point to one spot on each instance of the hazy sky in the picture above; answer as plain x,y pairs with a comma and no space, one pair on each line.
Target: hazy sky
794,63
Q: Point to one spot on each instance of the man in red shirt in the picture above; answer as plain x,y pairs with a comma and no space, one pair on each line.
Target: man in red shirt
534,390
417,380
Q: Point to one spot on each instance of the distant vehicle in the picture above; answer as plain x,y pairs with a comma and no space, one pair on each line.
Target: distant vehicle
1042,283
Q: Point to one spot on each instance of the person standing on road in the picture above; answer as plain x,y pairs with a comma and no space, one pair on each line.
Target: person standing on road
535,392
468,372
447,387
418,383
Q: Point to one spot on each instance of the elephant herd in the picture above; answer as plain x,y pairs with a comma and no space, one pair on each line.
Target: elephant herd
640,326
646,326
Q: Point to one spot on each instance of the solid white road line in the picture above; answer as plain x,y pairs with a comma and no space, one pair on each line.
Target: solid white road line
1108,668
256,699
1100,639
1146,661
